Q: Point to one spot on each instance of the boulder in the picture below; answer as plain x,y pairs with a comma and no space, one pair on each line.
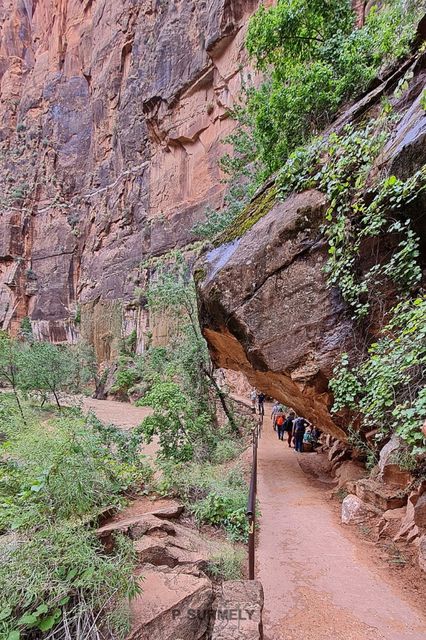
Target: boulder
420,512
172,605
273,257
137,526
169,512
415,517
355,511
379,496
183,547
390,522
237,611
422,553
393,475
161,543
349,471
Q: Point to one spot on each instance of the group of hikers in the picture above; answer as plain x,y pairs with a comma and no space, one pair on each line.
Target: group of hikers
295,429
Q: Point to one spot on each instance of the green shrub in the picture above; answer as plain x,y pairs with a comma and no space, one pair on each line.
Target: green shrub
64,470
227,564
214,497
316,59
57,475
61,576
125,379
225,450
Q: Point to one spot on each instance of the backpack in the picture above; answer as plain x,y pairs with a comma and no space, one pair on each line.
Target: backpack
299,425
280,421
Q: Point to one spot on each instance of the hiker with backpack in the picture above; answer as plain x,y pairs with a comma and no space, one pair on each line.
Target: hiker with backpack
253,398
276,409
299,427
280,420
288,427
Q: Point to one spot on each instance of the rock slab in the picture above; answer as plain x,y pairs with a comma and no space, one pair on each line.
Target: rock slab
172,605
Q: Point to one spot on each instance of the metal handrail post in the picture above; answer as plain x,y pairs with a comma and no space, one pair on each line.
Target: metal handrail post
251,506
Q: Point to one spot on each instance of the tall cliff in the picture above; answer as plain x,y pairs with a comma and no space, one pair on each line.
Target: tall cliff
111,120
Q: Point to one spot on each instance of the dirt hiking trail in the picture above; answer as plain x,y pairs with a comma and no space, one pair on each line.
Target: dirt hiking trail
318,585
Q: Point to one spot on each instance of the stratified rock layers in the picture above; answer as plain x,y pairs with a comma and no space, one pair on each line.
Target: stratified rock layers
112,114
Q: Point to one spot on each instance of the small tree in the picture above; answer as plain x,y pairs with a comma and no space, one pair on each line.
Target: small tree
10,365
183,390
26,330
47,368
181,427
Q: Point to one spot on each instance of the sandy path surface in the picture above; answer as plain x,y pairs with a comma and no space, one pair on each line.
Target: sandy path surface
318,586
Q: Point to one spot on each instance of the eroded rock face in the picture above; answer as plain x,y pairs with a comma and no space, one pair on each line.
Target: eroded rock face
111,119
266,308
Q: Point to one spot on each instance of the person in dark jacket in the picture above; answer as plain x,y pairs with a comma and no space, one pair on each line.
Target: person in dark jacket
288,427
260,403
299,428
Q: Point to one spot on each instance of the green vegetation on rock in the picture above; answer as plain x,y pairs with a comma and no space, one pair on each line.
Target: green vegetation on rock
214,496
386,390
314,59
254,211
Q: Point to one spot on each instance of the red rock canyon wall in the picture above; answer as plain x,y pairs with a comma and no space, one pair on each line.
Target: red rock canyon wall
112,114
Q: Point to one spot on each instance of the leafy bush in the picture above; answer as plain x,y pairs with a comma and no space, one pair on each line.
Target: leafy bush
228,511
59,578
63,472
387,389
316,59
57,475
214,497
180,428
225,450
125,379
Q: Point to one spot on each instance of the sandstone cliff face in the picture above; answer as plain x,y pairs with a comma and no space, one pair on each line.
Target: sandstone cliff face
265,306
111,119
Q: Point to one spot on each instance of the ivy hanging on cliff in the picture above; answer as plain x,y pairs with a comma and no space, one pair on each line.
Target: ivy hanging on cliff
357,213
387,390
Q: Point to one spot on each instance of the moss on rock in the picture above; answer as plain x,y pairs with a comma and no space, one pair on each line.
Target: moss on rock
248,217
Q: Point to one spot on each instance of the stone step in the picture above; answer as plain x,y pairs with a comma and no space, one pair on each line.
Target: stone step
173,605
